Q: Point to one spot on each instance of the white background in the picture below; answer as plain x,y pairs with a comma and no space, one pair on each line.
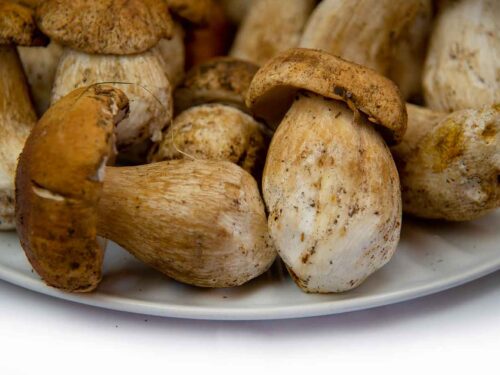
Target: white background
457,331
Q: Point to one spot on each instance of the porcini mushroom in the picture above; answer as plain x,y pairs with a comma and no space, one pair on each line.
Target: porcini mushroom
373,33
449,164
111,41
199,222
17,115
270,27
219,130
329,183
462,68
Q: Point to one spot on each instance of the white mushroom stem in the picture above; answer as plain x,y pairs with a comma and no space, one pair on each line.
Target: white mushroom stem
462,68
17,117
332,191
172,55
141,77
361,31
449,164
199,222
40,65
270,27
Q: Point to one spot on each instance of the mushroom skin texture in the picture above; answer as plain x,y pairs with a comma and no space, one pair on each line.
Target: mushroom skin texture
59,183
330,184
141,77
173,55
449,164
40,65
270,27
215,132
17,117
202,222
462,68
373,33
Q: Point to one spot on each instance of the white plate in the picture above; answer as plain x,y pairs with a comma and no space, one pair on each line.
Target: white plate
431,257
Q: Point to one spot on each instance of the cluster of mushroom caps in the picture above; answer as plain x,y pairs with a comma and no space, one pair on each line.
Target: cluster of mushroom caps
299,143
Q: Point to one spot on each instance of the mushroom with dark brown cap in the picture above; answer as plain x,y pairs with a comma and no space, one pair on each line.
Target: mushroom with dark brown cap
199,222
212,124
449,164
111,41
329,183
17,115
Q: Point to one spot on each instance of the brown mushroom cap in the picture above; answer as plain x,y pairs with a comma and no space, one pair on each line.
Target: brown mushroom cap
17,26
59,182
221,80
118,27
194,11
275,84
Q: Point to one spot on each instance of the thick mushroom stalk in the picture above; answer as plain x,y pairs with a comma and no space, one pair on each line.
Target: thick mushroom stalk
449,164
462,68
270,27
330,183
141,77
17,115
374,33
199,222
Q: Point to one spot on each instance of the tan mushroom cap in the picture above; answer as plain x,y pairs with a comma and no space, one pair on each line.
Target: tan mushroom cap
274,87
220,80
118,27
59,182
194,11
17,25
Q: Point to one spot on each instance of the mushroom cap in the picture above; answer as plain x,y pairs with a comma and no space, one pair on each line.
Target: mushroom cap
119,27
220,80
194,11
17,26
215,132
59,182
274,86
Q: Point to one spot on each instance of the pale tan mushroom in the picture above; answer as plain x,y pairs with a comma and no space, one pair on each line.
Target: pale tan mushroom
111,41
376,33
270,27
17,115
212,123
199,222
330,184
449,164
462,69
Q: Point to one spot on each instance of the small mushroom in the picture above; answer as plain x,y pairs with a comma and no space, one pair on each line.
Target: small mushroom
40,65
220,130
374,33
270,27
111,41
462,69
199,222
17,115
449,164
330,184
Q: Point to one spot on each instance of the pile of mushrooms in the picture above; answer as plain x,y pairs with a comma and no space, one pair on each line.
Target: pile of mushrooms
209,138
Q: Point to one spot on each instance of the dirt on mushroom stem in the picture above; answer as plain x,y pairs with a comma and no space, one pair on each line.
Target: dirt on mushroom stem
332,190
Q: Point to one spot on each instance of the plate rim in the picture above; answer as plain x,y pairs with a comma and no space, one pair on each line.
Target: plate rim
221,313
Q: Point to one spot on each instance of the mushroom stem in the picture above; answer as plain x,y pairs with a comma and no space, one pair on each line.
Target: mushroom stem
332,190
199,222
449,164
17,117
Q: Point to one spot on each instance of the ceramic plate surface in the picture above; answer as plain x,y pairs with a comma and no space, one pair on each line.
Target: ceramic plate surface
432,256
